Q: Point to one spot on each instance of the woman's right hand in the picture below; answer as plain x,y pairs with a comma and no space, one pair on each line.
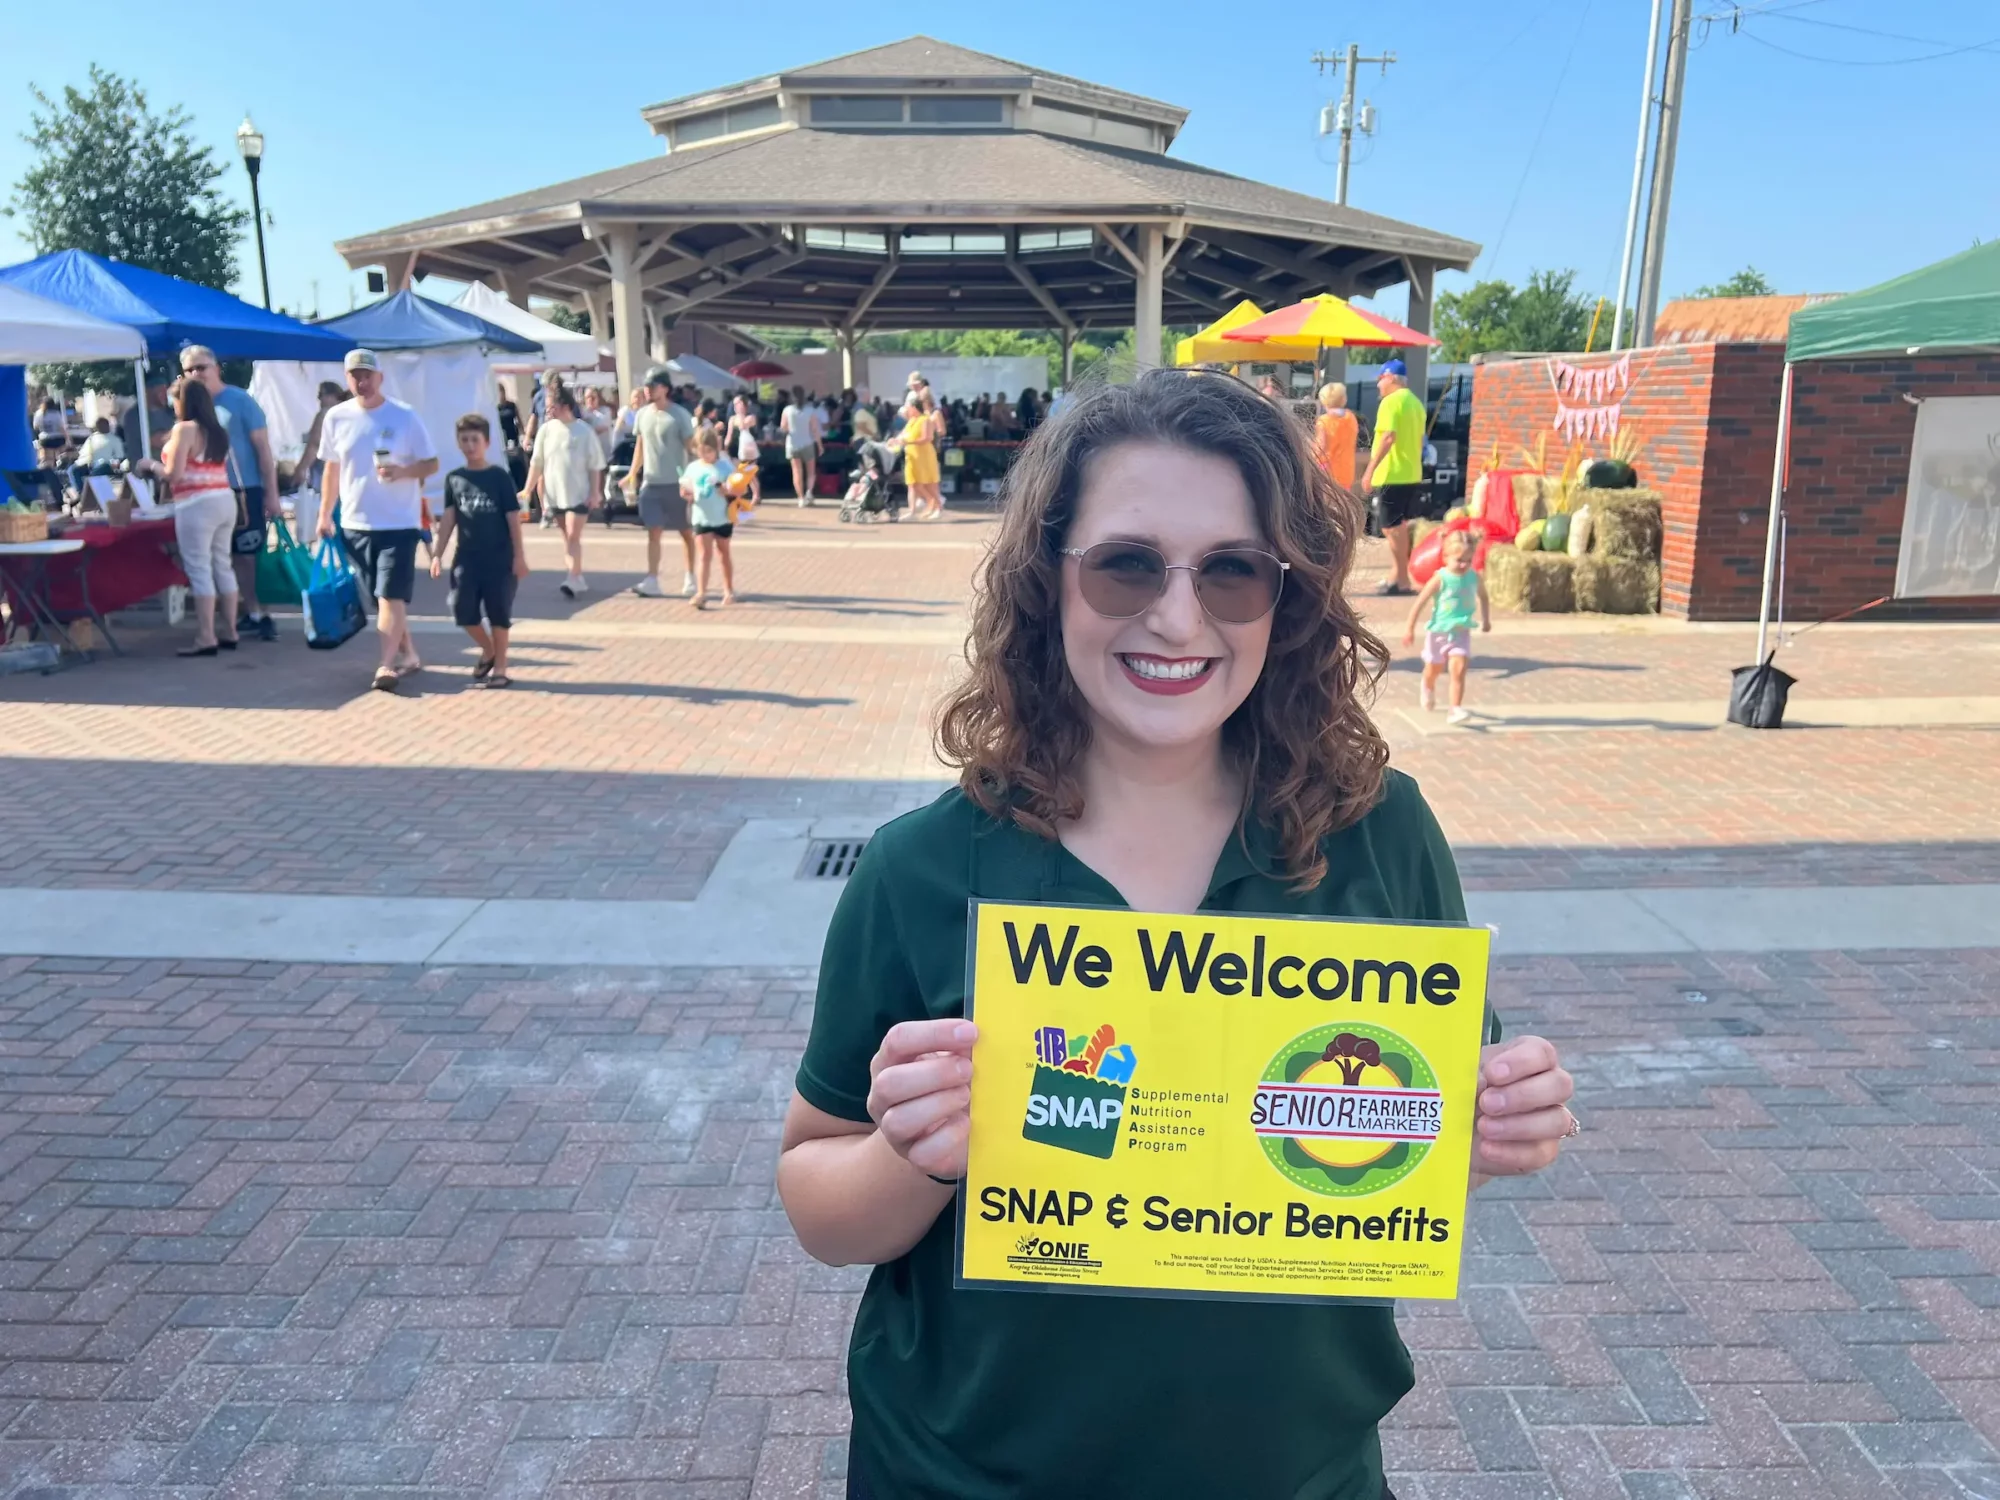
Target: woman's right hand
921,1097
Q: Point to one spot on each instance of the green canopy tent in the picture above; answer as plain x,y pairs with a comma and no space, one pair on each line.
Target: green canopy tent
1952,307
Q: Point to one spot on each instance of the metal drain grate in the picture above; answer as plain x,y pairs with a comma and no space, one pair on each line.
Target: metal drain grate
831,859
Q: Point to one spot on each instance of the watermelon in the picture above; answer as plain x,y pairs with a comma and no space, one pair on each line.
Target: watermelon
1529,539
1609,474
1555,533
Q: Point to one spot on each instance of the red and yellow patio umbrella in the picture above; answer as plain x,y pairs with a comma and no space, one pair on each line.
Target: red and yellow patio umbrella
1326,322
1207,346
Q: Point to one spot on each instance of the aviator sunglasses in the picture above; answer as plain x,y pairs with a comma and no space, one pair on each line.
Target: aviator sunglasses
1121,580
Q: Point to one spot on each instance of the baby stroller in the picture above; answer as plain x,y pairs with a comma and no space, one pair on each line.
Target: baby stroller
868,493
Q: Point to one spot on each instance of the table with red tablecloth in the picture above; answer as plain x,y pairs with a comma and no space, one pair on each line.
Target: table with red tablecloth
118,567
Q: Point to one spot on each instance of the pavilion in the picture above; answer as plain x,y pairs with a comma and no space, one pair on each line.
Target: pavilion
914,185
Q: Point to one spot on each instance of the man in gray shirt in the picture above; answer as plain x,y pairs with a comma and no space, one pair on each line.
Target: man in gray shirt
665,434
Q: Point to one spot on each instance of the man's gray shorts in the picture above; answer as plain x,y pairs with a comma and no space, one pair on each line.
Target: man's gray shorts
662,507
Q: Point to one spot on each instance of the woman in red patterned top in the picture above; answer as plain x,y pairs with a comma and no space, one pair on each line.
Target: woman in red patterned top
195,463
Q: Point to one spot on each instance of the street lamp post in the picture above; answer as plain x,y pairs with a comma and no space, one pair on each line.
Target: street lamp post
250,141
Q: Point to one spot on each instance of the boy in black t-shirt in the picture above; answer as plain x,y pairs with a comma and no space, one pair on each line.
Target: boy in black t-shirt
483,510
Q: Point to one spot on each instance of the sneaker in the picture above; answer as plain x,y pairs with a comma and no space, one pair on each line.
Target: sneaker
649,588
1428,693
687,585
267,629
573,587
1459,715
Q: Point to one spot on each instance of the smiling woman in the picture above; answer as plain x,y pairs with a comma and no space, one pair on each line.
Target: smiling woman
1196,476
1165,709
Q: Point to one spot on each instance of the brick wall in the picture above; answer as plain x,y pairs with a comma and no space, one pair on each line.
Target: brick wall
1851,445
1709,416
1667,404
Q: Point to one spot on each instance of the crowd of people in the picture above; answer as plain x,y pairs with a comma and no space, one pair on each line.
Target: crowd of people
688,464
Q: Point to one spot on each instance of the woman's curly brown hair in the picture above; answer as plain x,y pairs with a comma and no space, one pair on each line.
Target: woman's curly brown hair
1016,727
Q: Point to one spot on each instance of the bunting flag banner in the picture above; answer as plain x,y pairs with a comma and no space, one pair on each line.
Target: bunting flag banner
1580,422
1591,383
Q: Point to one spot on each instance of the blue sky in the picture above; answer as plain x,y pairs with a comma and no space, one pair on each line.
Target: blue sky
1507,123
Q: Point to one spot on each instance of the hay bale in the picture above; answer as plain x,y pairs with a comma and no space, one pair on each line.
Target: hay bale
1628,524
1616,585
1538,582
1419,529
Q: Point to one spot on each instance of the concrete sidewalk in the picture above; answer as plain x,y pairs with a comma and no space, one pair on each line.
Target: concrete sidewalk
755,910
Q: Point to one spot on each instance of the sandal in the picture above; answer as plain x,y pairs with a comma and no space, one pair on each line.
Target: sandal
385,680
228,645
196,651
485,668
499,680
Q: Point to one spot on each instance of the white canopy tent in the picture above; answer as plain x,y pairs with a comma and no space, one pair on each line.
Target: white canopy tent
561,348
441,384
34,330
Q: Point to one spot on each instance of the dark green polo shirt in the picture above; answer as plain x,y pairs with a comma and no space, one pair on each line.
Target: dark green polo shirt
998,1395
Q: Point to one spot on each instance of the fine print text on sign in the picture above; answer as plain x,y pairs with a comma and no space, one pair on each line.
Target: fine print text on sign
1216,1105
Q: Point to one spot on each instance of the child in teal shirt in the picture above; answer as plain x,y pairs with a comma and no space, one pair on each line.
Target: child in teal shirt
1453,594
705,482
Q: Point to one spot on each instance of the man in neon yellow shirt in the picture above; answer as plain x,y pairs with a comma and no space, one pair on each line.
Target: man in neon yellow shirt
1395,474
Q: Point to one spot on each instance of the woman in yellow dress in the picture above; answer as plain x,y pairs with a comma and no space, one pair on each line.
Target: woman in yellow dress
920,456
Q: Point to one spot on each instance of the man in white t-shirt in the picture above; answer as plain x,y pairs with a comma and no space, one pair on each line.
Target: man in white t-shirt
802,425
567,473
377,455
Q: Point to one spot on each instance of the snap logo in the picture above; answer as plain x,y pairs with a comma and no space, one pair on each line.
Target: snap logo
1079,1090
1347,1109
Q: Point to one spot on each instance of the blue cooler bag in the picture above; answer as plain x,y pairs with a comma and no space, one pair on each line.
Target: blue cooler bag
331,602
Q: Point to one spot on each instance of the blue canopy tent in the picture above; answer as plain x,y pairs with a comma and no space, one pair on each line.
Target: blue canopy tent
170,313
407,321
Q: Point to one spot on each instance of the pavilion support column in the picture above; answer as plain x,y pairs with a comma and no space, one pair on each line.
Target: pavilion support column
398,271
597,306
1419,360
627,303
847,343
1146,321
514,286
1333,367
1068,338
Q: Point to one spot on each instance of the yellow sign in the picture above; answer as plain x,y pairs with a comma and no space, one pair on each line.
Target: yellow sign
1215,1105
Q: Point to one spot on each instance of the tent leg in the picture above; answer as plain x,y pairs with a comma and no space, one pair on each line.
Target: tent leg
1777,509
145,424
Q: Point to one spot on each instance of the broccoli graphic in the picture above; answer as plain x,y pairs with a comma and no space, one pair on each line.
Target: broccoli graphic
1351,1054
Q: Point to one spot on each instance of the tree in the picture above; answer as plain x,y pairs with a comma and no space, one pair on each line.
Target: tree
1474,321
1748,282
564,316
1546,315
112,177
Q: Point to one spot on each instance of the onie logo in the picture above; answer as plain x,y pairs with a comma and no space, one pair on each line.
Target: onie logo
1347,1109
1033,1250
1079,1092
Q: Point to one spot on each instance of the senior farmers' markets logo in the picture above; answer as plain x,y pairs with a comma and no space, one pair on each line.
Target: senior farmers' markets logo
1347,1109
1079,1093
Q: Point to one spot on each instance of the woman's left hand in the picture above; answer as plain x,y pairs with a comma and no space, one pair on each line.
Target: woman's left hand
1522,1117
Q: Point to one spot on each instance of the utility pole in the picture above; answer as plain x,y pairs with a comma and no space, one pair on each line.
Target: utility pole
1345,122
1663,172
1638,182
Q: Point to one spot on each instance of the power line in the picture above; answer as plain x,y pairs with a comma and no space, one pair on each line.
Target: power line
1870,62
1555,95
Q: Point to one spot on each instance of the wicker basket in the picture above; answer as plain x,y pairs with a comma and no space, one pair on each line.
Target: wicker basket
31,527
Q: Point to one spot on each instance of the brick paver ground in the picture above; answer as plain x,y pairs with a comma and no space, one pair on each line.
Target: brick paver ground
642,734
345,1233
